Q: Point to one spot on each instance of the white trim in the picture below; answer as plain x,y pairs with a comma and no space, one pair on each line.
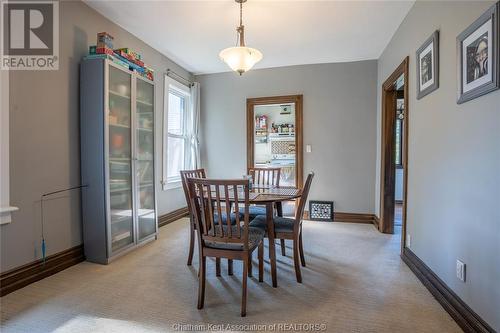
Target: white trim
171,84
5,207
5,217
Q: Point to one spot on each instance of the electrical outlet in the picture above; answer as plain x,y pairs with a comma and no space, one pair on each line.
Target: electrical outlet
460,270
408,240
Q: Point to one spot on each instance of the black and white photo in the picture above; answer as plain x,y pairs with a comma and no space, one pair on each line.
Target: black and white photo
477,49
428,66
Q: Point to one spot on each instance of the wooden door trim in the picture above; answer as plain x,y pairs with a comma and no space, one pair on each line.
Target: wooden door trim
388,87
298,100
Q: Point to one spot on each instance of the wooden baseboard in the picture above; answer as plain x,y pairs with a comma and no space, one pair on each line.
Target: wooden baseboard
376,221
465,317
172,216
20,277
351,218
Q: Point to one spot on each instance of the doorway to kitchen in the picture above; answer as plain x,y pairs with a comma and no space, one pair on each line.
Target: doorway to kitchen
394,153
274,138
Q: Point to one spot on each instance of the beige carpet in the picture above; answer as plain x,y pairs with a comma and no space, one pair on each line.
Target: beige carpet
354,282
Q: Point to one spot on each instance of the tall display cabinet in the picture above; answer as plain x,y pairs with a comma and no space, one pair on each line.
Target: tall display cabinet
117,159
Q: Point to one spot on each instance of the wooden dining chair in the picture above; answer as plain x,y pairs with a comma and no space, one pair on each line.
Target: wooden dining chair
200,173
209,198
263,177
266,176
290,228
185,174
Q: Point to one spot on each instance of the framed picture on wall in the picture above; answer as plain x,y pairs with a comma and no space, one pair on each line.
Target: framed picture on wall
478,52
428,66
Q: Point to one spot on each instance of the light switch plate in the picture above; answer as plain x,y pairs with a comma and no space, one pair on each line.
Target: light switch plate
308,148
460,270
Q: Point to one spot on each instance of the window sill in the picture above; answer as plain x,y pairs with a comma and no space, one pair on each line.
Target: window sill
171,185
5,217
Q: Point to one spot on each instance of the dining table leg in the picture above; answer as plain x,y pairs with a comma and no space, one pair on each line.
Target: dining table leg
272,248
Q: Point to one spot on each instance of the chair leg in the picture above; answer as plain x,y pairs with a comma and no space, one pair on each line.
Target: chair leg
269,243
217,266
296,260
250,271
229,266
244,289
301,250
261,261
191,245
283,251
201,282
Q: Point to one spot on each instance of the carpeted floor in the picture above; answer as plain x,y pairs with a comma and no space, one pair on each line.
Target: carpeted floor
354,282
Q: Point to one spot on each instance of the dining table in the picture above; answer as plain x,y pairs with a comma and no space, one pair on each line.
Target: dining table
270,196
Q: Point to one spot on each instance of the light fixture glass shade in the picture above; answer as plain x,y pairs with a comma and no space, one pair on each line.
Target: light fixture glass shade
240,58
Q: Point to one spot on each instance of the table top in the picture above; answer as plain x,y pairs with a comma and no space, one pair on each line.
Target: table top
267,194
262,194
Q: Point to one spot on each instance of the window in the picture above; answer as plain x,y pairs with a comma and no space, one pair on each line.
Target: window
5,208
177,101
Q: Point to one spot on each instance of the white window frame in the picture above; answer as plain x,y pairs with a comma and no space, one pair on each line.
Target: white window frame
178,88
5,207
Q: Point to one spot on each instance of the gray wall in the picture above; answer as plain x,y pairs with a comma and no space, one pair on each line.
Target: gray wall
44,139
454,161
339,123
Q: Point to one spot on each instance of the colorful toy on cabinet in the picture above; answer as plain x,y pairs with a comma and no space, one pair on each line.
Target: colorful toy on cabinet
124,57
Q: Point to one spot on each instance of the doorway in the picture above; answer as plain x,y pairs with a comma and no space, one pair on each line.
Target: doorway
394,153
274,136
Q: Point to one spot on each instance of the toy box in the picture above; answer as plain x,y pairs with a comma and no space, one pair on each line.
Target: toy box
104,50
128,51
104,40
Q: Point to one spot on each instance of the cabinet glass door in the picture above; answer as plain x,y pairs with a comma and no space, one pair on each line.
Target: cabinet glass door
120,158
145,161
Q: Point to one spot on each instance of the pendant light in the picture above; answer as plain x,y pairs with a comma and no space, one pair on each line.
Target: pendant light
240,58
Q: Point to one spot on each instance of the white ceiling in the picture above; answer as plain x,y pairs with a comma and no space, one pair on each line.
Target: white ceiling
192,33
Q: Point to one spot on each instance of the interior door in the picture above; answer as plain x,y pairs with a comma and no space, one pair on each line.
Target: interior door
388,162
120,198
144,150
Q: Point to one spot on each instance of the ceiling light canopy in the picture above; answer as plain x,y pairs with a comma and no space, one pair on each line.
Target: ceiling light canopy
240,58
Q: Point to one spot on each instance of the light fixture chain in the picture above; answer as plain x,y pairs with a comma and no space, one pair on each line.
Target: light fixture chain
241,14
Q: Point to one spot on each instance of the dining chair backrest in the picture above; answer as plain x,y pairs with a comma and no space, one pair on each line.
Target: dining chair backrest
265,176
303,199
185,174
211,199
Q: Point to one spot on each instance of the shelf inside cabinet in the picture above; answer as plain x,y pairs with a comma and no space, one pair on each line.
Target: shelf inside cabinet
116,190
145,212
144,103
119,125
121,236
114,93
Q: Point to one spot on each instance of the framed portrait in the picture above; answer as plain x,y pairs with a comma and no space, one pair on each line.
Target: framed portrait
478,57
428,66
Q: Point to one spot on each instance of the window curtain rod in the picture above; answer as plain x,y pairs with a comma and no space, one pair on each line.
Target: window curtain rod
179,78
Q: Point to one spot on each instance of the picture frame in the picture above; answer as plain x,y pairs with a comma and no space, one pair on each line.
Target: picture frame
478,65
427,60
